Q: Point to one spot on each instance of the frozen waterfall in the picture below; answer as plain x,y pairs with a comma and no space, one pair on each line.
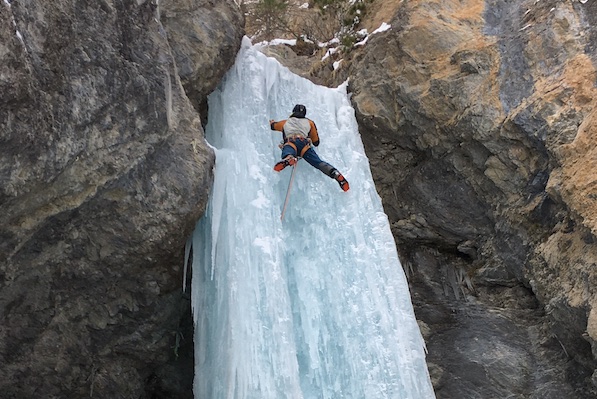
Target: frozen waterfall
316,305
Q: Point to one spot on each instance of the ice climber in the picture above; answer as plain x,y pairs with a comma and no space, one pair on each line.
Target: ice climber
299,136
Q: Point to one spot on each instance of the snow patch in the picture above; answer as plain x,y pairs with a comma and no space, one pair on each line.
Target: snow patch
382,28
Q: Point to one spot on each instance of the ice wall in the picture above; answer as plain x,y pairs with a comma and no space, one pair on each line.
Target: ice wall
316,305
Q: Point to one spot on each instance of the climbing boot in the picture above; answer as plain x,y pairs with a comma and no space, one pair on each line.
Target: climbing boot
341,180
288,161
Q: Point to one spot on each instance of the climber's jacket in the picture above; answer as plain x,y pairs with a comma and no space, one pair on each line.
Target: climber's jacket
294,129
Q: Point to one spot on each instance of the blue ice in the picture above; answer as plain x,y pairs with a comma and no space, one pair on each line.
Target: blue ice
313,306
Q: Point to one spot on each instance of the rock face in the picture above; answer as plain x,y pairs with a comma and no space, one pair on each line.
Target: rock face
103,172
479,119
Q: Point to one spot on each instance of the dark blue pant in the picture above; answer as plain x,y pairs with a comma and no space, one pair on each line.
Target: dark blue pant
310,156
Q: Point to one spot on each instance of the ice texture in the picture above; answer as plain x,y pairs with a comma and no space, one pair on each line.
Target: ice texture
313,306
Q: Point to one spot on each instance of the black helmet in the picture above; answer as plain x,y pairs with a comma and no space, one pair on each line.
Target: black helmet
299,111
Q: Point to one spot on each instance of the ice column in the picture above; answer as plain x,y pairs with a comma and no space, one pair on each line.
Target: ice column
317,305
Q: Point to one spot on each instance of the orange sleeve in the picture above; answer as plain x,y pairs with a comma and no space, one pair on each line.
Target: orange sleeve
313,134
279,126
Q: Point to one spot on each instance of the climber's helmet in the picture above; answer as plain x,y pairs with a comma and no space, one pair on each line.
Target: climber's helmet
299,111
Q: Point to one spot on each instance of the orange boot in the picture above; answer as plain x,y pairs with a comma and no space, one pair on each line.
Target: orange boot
288,161
341,181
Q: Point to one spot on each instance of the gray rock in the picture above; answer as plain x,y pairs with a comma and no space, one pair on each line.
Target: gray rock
465,113
104,171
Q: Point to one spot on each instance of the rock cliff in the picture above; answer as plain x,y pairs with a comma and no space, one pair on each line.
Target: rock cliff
479,120
103,172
